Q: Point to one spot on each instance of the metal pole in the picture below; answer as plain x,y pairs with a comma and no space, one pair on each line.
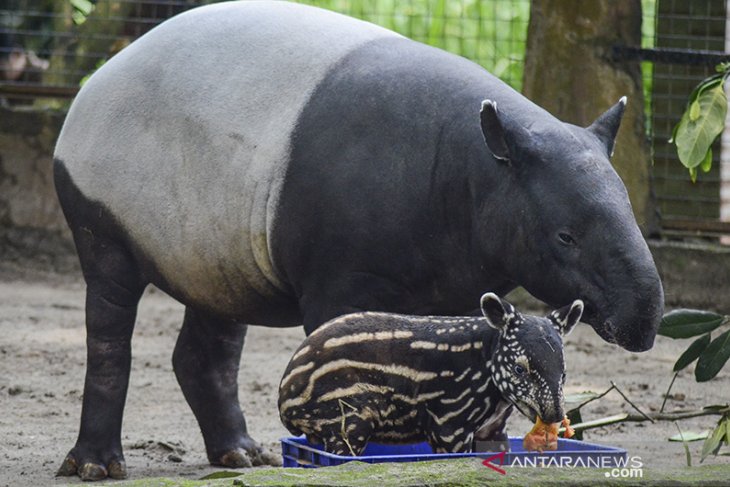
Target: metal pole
725,149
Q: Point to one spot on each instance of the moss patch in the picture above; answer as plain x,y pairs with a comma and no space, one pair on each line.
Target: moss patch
465,472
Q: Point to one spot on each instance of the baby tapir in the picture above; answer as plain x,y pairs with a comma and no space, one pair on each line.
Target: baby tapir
402,379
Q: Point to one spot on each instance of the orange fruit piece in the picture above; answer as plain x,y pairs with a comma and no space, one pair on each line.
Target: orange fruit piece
544,436
569,432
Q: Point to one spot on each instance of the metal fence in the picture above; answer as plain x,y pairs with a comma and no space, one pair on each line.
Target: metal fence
58,43
690,34
47,47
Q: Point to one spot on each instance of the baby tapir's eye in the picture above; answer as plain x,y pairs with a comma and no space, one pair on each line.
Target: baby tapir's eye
519,369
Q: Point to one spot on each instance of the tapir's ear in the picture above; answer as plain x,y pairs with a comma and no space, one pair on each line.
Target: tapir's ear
606,126
497,312
565,319
493,131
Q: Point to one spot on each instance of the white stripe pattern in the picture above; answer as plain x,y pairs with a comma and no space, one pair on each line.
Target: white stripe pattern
364,337
295,371
452,414
401,370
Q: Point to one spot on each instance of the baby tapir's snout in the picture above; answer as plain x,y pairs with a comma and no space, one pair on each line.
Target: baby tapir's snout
553,413
404,379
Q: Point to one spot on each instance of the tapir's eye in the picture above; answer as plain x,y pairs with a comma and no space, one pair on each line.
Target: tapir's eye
566,238
519,369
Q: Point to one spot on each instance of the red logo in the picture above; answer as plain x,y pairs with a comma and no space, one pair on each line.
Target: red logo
500,457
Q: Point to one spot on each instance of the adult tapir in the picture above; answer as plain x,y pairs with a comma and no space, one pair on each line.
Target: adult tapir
276,164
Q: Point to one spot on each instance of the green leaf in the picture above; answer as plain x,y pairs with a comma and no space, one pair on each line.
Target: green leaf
714,357
716,407
690,436
694,111
225,474
703,85
78,18
686,323
83,6
685,444
693,174
693,351
694,136
674,134
706,164
713,442
579,397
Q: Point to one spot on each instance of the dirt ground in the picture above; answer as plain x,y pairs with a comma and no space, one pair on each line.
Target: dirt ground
42,357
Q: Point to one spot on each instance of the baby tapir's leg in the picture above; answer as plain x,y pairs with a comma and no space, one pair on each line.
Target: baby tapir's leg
448,440
348,438
492,435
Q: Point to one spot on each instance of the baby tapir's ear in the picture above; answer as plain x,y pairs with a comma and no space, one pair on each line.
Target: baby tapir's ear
565,318
497,312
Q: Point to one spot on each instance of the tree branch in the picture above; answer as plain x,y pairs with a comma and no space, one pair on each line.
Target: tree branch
631,403
637,418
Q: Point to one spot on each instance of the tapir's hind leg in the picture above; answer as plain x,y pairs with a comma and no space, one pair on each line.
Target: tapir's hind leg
349,439
114,287
206,360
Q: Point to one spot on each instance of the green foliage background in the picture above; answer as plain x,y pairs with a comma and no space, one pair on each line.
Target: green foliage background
490,32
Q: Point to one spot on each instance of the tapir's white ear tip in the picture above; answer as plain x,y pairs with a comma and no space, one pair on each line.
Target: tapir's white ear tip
623,100
488,296
490,103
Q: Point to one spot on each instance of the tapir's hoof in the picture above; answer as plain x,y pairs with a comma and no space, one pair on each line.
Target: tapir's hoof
269,458
238,458
118,470
242,458
91,470
68,467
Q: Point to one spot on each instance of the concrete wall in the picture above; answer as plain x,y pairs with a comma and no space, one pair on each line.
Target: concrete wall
27,195
695,276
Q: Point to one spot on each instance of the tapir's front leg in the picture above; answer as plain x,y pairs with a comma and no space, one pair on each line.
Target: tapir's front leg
206,361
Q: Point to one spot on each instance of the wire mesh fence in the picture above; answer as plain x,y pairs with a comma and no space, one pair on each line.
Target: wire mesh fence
492,33
48,47
697,26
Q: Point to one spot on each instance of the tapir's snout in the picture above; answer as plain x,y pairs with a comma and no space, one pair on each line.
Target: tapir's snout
628,312
634,321
638,337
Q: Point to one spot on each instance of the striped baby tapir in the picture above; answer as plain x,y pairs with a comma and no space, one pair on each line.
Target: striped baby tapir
392,378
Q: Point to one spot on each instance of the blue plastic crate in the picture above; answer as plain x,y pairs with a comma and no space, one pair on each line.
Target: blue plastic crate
297,452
